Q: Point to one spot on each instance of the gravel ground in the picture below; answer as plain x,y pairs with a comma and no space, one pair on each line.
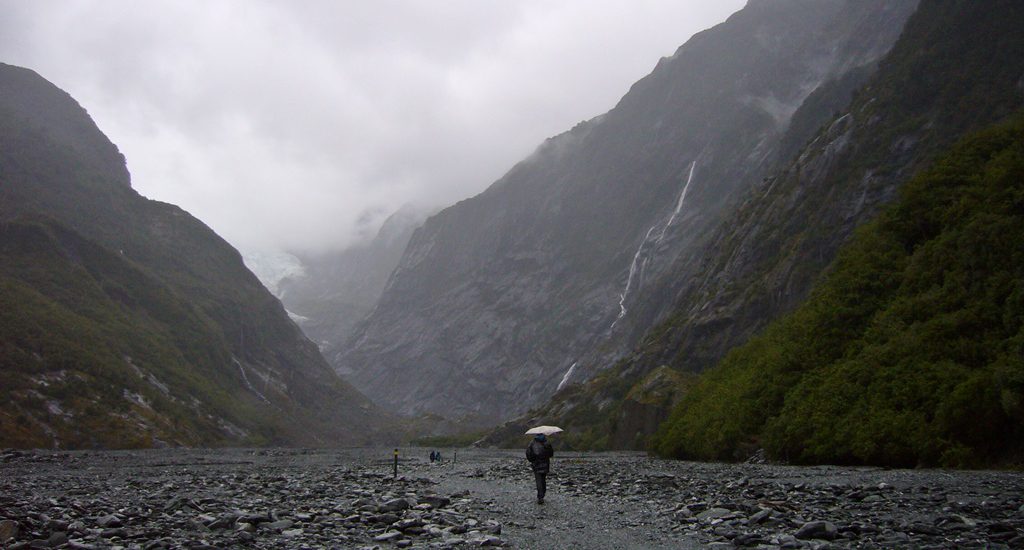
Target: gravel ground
295,498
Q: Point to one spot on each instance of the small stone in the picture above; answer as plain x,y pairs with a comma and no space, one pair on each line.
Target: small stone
254,518
57,539
405,524
435,501
924,529
57,525
404,543
279,525
113,532
747,539
760,516
389,536
385,518
713,513
223,522
490,541
395,505
1001,527
682,513
291,533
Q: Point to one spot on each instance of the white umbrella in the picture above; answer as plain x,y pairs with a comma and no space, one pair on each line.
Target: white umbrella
546,430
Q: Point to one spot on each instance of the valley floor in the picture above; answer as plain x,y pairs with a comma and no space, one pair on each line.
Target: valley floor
291,498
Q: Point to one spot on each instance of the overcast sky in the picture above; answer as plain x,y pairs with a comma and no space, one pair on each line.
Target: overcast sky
300,125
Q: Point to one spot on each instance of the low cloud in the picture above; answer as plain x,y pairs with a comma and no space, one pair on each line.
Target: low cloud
300,126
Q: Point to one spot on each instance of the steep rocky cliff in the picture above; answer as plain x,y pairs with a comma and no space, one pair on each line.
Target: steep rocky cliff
126,321
550,274
957,67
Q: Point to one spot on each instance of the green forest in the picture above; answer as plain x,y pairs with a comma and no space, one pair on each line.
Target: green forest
910,349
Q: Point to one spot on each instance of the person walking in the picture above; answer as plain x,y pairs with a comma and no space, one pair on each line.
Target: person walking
539,453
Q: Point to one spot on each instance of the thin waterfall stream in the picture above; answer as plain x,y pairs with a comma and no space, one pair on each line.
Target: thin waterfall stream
637,266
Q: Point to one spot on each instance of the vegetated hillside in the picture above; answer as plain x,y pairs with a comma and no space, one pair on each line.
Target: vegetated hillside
337,290
537,282
909,352
957,67
126,322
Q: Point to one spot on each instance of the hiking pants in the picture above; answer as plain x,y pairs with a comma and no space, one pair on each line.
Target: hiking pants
542,484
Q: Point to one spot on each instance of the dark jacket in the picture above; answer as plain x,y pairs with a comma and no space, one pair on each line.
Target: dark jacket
539,454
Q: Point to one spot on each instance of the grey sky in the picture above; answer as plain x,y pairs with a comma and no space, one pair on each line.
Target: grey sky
299,125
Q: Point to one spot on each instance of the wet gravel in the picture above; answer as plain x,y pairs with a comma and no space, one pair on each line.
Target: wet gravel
287,498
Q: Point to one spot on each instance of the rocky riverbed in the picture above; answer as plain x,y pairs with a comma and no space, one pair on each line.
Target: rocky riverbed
287,498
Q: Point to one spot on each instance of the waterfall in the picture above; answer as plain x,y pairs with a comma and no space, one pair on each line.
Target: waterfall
679,203
565,379
633,267
245,378
632,273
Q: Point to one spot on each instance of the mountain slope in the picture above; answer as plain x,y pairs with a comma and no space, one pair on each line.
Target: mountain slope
127,321
957,67
504,297
910,351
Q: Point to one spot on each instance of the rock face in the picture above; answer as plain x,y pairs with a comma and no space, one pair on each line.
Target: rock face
502,298
126,322
761,261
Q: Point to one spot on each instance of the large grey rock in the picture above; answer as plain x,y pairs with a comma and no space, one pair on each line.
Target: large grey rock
109,521
817,530
395,505
8,529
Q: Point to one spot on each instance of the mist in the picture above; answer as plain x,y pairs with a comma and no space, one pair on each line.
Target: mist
301,126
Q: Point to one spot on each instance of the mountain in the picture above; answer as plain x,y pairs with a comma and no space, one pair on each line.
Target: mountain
909,352
956,68
551,274
126,322
329,293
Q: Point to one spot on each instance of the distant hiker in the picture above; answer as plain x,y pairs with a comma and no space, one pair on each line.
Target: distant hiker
539,453
432,457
